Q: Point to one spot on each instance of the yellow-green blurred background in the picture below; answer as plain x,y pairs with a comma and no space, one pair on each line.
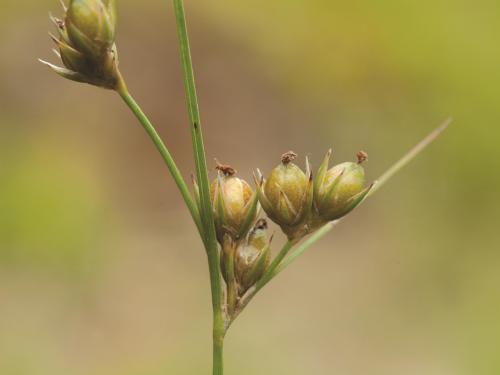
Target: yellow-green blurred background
100,268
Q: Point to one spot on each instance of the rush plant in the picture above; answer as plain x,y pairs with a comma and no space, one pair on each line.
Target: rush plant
226,211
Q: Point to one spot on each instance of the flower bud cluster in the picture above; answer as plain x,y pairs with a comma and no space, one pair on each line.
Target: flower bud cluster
291,198
86,43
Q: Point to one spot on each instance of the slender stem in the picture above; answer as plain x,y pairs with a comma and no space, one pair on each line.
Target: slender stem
167,157
206,213
409,156
218,355
194,116
315,237
268,275
219,322
231,282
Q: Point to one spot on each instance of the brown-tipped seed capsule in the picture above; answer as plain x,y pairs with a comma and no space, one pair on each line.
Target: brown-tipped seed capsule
86,43
253,257
340,189
234,203
286,196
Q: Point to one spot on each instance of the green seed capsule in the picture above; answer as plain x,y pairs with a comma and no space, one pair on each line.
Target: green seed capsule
340,189
253,258
286,195
234,203
91,24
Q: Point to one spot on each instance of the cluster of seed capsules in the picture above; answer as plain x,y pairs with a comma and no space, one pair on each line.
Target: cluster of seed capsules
290,197
86,43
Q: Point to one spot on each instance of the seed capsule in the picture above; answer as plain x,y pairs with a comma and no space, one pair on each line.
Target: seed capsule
253,258
86,43
91,24
234,203
286,196
340,189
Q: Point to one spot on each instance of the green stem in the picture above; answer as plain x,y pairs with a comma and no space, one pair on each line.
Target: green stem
315,237
160,146
409,156
269,274
219,321
194,116
231,282
206,213
218,352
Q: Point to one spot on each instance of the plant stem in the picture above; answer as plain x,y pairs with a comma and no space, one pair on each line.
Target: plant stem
219,321
160,146
206,213
231,282
315,237
409,156
268,275
218,352
194,117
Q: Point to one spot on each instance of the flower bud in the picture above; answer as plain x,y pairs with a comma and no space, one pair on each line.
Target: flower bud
86,43
340,189
234,203
286,196
253,258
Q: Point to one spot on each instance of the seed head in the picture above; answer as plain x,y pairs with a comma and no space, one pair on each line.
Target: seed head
86,43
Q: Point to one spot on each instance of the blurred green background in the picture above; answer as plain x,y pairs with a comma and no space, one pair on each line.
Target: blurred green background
100,268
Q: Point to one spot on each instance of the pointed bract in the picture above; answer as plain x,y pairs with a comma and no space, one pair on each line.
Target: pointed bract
320,175
65,73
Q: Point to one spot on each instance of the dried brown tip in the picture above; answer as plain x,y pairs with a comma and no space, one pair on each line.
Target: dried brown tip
261,224
288,157
227,170
362,157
